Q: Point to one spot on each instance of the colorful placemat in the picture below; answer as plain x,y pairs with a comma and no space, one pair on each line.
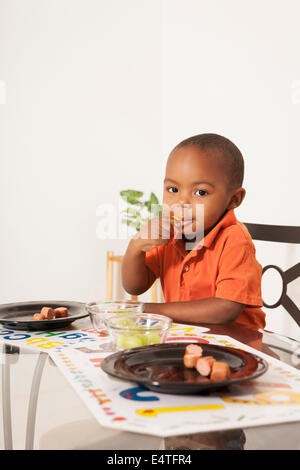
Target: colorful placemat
269,399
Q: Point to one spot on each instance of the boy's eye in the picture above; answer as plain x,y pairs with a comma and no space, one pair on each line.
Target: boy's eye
172,189
201,192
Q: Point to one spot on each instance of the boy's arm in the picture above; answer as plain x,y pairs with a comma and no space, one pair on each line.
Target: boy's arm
136,276
210,310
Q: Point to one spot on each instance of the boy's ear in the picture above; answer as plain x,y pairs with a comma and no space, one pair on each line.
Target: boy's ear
237,198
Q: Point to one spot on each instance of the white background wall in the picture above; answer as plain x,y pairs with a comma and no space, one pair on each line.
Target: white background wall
100,91
82,122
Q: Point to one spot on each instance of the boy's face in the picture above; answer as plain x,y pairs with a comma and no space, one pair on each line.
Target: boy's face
195,177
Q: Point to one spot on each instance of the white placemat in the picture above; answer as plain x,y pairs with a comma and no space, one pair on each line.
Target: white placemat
271,398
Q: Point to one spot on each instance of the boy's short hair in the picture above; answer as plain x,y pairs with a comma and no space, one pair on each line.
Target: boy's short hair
231,155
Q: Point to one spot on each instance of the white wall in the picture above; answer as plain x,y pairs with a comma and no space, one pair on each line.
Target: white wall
99,92
82,122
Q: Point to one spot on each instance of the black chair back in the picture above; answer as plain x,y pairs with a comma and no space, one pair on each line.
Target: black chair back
280,234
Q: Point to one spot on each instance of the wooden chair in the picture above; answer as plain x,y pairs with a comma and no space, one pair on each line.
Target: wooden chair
110,260
280,234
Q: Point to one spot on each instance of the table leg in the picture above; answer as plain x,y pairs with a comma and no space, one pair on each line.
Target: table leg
6,402
33,399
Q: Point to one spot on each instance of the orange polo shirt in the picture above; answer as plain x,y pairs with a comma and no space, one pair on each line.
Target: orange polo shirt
222,265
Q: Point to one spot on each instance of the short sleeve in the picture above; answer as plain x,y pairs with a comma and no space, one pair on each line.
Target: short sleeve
239,274
152,261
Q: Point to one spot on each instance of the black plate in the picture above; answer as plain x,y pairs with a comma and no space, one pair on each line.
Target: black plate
160,367
18,316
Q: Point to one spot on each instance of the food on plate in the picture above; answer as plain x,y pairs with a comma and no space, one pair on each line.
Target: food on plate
220,371
38,316
48,313
61,312
207,366
204,365
190,360
194,349
192,353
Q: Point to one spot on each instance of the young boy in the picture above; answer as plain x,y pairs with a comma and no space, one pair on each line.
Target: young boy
210,273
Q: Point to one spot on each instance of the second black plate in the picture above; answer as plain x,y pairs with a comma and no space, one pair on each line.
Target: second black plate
18,316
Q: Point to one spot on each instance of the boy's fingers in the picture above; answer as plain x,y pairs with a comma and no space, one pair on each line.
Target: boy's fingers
160,228
154,244
157,243
161,241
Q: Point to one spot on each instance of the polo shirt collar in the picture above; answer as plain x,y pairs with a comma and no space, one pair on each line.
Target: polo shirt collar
227,220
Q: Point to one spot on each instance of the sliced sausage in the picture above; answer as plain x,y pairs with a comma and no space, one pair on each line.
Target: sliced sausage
204,365
47,313
38,316
61,312
194,349
220,371
190,360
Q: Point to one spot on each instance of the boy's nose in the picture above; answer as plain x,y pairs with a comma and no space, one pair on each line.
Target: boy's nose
182,208
184,201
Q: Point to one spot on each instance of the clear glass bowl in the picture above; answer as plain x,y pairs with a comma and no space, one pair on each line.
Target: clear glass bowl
98,310
136,330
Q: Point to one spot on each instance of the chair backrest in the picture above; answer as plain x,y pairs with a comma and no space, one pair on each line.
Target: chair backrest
280,234
110,260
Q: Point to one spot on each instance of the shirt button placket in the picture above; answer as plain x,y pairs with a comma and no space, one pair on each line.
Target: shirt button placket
184,270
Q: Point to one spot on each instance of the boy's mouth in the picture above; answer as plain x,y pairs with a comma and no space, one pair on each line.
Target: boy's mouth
185,222
182,221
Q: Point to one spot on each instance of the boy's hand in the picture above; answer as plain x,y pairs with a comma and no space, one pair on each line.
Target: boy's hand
156,232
